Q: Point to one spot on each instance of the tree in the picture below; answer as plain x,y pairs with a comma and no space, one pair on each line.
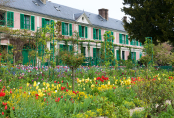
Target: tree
163,54
150,18
72,59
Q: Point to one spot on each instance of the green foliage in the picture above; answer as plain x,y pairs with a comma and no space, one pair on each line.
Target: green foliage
72,60
145,60
163,54
155,93
108,47
143,22
129,105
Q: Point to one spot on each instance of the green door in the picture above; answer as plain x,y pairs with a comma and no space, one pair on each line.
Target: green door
25,57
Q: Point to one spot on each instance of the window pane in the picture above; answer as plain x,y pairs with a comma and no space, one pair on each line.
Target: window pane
83,31
123,55
97,33
66,28
2,18
26,22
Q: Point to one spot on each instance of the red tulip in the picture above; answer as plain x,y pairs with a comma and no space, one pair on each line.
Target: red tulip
5,107
2,113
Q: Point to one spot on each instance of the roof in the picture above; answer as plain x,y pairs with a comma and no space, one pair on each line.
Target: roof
64,12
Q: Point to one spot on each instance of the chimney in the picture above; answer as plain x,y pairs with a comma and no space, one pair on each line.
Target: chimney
104,13
125,18
43,1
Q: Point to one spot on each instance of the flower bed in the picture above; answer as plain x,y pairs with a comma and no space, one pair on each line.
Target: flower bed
37,92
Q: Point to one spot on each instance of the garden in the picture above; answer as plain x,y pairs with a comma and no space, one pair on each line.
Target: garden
98,91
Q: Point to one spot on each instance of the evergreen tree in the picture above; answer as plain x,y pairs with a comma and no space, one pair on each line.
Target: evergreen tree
150,18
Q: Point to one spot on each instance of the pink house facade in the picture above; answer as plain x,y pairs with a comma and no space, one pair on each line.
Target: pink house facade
90,26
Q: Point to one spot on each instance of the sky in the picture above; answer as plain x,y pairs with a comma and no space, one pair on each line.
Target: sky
114,6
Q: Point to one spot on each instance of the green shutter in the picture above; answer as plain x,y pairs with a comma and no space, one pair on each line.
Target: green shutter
52,24
94,33
140,54
70,48
137,43
112,33
86,32
70,29
120,38
127,41
63,28
118,55
32,23
22,21
80,30
10,19
99,34
140,44
43,22
94,52
135,56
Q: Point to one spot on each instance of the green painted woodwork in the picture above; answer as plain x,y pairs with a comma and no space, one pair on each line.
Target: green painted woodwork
135,56
140,54
52,24
137,43
70,29
22,21
127,41
99,34
63,28
80,30
43,22
120,38
118,55
94,33
86,32
10,19
33,23
112,33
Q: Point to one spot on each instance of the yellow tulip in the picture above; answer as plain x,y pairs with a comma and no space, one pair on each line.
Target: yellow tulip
34,83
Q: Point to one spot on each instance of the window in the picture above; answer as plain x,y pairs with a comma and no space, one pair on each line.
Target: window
2,18
83,51
83,31
123,55
96,34
123,39
27,22
47,22
65,29
133,55
133,42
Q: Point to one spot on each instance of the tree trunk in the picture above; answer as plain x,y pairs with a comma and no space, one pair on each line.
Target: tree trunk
73,78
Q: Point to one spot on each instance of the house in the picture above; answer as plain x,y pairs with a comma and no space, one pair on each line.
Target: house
33,14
